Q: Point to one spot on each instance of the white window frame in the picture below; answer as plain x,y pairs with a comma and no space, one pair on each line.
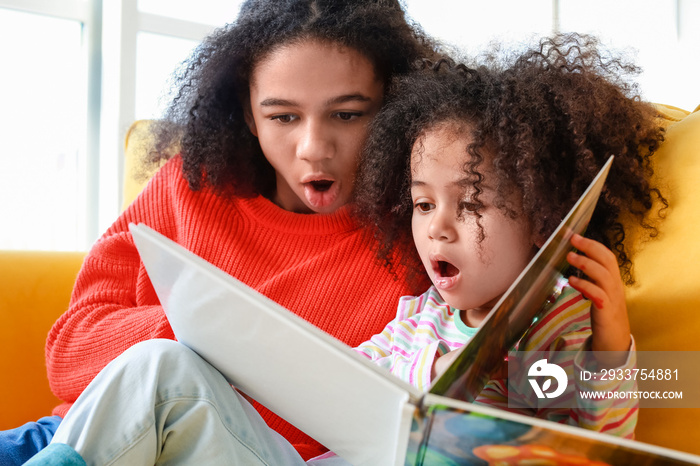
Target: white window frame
122,22
111,31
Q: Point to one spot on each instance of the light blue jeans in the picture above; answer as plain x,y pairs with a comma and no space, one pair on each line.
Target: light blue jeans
160,403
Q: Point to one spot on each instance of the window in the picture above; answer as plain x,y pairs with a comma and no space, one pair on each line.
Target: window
157,56
472,24
43,121
86,69
659,35
215,12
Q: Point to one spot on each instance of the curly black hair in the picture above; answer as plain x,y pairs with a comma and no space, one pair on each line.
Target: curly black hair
548,119
205,119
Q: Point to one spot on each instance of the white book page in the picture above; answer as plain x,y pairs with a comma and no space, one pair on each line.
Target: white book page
309,378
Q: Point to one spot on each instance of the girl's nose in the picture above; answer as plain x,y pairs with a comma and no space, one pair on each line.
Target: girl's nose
442,226
314,143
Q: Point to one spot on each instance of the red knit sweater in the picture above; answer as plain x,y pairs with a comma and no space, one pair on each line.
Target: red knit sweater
318,266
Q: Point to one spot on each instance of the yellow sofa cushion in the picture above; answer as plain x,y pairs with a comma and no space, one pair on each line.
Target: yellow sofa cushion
664,304
36,289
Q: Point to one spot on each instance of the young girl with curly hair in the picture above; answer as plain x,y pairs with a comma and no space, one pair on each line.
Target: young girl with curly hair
270,115
481,165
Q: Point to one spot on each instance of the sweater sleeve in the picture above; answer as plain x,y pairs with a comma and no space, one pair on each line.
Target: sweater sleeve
423,330
113,304
414,365
564,334
616,416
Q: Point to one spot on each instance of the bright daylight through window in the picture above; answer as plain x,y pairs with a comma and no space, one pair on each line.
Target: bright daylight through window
79,72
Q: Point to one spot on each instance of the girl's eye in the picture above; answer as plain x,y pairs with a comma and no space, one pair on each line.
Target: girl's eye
469,206
347,116
424,207
285,118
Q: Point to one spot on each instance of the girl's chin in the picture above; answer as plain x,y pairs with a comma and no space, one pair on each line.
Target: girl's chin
323,201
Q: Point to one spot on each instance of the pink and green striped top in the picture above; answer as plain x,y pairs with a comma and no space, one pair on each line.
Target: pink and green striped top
426,327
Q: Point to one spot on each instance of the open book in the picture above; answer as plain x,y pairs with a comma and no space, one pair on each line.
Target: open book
355,408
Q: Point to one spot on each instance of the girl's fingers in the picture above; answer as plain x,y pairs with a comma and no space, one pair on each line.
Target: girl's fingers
590,290
596,251
594,270
600,266
604,288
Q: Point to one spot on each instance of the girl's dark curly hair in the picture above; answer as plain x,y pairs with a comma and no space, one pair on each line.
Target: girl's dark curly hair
548,119
206,116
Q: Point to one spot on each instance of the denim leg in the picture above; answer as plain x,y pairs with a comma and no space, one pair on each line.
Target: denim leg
161,402
21,443
56,454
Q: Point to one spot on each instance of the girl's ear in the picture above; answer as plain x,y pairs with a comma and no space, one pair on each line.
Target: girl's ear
250,121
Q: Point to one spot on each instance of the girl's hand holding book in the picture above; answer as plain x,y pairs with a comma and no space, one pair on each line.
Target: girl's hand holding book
603,286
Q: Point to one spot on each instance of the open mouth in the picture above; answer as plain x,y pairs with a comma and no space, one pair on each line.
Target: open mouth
446,270
321,192
446,274
321,185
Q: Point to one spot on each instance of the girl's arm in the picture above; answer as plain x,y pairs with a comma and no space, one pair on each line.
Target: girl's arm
413,365
575,324
409,345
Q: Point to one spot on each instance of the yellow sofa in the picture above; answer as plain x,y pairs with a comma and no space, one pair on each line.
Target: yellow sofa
35,288
663,305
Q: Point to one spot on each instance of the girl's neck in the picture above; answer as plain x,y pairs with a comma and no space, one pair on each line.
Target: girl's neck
474,317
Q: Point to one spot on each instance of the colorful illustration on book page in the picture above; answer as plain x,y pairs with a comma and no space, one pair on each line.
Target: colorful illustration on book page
507,455
448,436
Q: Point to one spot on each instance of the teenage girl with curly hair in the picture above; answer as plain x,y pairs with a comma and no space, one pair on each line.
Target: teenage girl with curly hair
481,165
270,114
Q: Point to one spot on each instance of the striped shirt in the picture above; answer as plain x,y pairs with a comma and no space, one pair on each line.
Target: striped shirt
426,327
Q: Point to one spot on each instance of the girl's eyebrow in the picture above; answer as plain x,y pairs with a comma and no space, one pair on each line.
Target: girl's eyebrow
273,101
341,99
462,183
465,183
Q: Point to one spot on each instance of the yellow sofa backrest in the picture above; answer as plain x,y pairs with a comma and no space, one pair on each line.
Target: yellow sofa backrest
664,306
